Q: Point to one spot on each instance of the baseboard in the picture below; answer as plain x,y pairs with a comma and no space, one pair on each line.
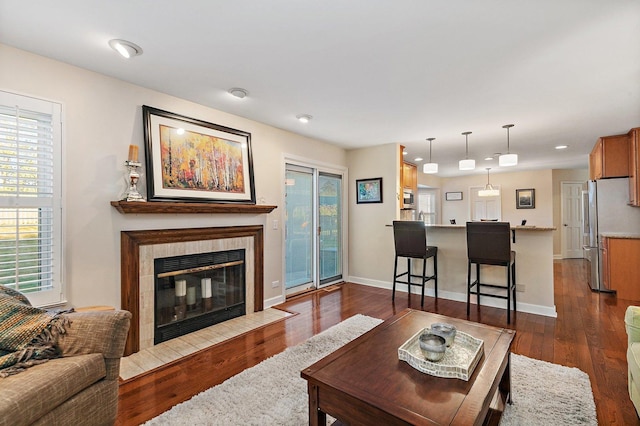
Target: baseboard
547,311
268,303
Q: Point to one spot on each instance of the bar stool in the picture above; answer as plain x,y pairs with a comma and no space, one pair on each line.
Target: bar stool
489,243
411,242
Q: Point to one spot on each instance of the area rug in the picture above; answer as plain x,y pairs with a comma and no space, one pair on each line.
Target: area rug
273,393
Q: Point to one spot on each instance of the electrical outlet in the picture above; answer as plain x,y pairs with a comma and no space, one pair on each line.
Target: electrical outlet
520,288
275,284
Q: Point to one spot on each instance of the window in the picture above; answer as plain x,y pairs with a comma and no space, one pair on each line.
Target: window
30,197
428,205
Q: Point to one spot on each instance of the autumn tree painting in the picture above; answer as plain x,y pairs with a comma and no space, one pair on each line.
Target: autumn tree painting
196,161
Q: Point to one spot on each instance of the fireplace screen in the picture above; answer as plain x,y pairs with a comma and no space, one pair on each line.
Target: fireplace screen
196,291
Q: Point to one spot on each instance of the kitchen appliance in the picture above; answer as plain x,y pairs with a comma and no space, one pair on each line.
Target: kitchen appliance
605,212
409,199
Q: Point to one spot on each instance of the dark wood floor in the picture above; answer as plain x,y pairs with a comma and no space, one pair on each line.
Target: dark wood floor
588,334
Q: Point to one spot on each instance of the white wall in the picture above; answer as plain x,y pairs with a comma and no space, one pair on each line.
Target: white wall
102,116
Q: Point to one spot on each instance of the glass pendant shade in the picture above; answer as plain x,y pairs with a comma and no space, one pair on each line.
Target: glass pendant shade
508,160
467,164
489,190
430,168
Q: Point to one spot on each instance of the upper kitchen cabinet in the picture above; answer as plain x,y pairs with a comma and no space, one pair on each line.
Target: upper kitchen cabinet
409,176
634,167
610,158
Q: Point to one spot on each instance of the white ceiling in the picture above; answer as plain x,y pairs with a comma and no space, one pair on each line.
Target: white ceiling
372,72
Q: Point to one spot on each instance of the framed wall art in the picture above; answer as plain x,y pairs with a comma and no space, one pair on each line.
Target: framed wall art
453,196
369,190
525,198
190,160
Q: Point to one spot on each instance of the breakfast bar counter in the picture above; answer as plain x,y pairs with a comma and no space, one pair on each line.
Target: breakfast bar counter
534,267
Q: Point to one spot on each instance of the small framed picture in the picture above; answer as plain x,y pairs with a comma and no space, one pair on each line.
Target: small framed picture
525,198
453,196
369,190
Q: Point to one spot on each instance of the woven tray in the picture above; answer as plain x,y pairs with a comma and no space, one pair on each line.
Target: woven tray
459,360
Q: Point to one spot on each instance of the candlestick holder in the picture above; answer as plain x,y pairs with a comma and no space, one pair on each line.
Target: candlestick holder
132,177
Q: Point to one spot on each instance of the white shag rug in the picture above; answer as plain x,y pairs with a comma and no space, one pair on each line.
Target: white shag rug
273,393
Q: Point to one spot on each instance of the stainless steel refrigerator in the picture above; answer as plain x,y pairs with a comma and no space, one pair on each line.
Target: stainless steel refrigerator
606,212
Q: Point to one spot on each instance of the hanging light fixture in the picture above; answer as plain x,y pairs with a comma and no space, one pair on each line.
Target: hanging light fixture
430,167
489,190
508,159
466,164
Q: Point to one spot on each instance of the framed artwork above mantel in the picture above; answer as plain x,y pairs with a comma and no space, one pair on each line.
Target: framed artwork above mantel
190,160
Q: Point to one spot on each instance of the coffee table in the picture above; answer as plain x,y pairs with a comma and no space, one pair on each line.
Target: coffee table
365,383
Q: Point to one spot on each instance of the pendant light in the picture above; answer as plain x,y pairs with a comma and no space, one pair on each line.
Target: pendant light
489,190
430,167
467,164
508,159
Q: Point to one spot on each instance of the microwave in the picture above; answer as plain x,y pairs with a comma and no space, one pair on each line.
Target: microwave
409,200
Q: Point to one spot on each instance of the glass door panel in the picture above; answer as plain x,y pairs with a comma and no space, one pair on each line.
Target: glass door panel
299,226
330,218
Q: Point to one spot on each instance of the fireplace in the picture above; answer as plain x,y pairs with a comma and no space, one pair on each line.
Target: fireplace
139,249
196,291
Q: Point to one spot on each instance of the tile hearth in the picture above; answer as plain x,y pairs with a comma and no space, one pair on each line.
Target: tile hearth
171,350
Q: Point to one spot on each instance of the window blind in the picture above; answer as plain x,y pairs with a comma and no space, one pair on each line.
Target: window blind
30,255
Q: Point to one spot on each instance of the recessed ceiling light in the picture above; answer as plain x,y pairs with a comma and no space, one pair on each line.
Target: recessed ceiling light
238,92
125,48
304,118
562,146
488,158
418,159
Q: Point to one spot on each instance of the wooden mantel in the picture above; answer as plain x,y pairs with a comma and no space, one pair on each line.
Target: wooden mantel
155,207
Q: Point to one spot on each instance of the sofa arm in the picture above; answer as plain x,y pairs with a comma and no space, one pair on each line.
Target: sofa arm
632,323
102,332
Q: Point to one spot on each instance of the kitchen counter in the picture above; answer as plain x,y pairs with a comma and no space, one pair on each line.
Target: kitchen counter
534,267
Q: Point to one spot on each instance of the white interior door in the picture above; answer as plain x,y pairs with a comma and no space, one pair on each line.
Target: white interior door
571,212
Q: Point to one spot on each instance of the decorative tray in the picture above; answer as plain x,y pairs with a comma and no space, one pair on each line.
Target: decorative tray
459,360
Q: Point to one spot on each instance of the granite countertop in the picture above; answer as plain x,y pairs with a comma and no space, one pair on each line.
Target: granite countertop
624,235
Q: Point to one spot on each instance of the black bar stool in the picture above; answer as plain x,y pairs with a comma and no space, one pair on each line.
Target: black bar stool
411,242
489,243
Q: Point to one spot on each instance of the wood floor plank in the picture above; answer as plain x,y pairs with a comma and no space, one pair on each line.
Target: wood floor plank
588,334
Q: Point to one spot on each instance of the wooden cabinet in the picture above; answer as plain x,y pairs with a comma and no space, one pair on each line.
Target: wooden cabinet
621,268
605,278
409,176
634,167
610,157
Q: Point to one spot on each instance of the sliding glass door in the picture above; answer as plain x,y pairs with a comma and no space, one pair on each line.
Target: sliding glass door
313,228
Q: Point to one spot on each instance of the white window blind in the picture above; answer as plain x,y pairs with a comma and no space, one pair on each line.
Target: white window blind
30,193
428,205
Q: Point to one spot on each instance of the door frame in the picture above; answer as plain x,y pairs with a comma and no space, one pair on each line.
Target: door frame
322,167
563,249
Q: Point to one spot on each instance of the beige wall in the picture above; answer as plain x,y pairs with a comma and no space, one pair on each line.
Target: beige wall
559,176
102,116
371,250
540,180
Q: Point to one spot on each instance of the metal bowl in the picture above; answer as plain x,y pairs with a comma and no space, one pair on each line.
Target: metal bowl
445,330
433,346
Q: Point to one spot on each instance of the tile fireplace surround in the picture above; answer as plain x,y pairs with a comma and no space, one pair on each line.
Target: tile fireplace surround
140,248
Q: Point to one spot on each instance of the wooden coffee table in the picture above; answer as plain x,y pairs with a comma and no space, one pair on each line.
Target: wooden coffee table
365,383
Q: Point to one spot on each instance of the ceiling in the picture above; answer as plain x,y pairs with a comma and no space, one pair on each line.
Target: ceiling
373,72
